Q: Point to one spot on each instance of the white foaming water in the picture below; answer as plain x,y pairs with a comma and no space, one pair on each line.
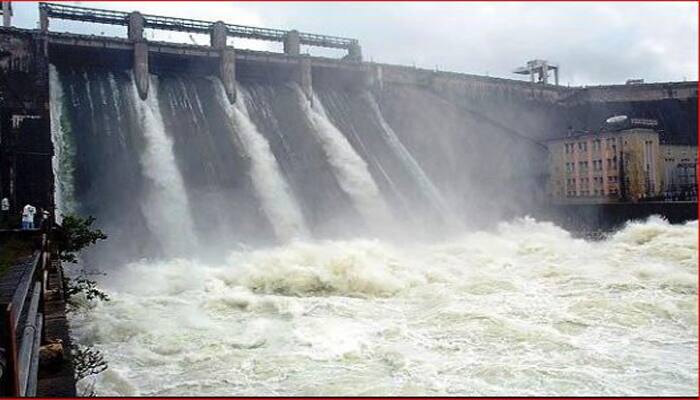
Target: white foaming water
64,153
523,310
424,182
166,207
274,193
349,168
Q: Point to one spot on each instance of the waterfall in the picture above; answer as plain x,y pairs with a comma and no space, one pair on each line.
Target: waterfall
272,190
166,207
114,89
426,186
62,162
349,168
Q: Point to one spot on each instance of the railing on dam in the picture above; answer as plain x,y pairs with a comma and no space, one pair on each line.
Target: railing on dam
218,31
21,323
94,15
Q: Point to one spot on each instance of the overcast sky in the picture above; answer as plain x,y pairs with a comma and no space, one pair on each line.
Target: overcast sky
593,43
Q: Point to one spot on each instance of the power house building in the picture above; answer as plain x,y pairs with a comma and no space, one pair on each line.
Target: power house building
608,166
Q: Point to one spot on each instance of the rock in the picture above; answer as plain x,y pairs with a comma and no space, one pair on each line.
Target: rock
51,354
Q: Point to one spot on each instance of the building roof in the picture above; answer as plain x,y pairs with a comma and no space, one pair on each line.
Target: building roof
580,134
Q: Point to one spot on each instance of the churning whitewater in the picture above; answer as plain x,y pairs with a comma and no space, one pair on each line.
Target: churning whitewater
525,309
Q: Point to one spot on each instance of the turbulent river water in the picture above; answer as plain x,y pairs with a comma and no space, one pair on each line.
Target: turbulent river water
523,309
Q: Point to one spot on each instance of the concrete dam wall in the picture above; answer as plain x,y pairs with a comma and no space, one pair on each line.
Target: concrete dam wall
305,146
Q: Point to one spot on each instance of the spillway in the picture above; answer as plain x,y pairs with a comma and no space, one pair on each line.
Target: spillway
165,206
349,168
273,191
347,242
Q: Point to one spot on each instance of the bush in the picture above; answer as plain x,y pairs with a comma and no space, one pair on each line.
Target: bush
74,235
87,361
86,286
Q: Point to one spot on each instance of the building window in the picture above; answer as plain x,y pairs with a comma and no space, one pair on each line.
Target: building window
596,144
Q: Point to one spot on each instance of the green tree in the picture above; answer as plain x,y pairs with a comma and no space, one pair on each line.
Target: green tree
75,234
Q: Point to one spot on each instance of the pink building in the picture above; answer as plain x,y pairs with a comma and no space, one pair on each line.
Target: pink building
606,166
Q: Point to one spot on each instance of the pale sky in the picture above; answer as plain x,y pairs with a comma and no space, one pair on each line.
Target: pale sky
593,43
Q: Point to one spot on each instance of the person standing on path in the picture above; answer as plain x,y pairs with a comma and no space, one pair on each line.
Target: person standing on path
4,212
28,216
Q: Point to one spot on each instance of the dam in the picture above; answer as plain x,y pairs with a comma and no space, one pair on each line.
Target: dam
288,224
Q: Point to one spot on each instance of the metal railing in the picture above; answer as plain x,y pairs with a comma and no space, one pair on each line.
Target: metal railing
61,11
21,333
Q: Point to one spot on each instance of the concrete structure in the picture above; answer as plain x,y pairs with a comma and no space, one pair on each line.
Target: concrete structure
135,27
528,110
292,45
541,68
605,167
304,78
292,39
219,32
140,54
585,219
680,172
227,59
581,108
43,19
25,137
354,52
25,141
373,79
6,14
